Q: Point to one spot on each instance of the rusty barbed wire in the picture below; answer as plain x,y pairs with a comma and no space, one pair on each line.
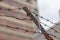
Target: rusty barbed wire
29,19
19,28
9,9
16,17
50,28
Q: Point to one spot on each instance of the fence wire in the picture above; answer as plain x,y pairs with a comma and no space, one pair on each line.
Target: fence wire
9,9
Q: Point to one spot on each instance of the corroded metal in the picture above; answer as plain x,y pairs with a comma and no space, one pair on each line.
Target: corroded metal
38,25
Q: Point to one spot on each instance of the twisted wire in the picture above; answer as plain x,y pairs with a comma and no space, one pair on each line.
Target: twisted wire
44,18
41,22
18,28
51,28
16,17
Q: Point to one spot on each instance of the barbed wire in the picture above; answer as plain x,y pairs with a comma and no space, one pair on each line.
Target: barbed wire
44,18
55,36
15,17
29,19
19,28
9,9
50,28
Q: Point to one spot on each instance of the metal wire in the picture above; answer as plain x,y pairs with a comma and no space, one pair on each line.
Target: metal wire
44,18
18,28
29,19
16,17
50,28
9,9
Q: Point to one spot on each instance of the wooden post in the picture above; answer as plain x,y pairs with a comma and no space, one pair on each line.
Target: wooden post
38,25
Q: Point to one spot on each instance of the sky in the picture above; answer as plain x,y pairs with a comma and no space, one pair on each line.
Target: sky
49,9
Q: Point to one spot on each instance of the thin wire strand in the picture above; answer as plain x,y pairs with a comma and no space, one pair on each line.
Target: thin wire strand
18,28
44,18
42,23
9,9
16,17
51,28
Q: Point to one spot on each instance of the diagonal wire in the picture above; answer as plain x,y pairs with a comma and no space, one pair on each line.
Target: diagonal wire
40,17
54,36
44,18
51,28
9,9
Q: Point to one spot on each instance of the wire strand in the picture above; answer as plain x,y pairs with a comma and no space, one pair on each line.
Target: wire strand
44,18
18,28
36,15
51,28
16,17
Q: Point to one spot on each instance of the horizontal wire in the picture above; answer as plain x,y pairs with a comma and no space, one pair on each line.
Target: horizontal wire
15,17
18,28
9,9
40,17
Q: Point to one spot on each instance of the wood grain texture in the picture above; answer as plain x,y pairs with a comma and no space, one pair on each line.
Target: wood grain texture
12,19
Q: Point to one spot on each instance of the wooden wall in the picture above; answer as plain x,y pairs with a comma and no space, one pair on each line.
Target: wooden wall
8,18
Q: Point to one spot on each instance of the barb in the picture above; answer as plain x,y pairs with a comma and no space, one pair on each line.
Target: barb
9,9
51,28
16,17
54,36
37,24
18,28
44,18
